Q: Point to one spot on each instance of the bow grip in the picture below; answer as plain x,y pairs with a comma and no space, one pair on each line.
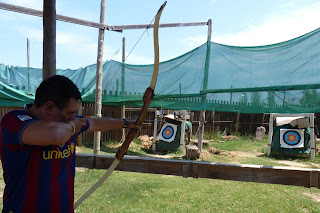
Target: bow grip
147,98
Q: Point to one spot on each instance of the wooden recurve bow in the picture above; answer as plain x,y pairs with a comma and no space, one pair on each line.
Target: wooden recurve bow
147,98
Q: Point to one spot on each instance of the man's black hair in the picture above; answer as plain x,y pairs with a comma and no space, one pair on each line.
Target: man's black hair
58,89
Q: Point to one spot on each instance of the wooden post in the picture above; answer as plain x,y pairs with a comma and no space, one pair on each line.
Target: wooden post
201,129
28,63
237,122
123,116
262,119
212,122
123,88
155,130
183,131
49,39
205,85
191,120
80,113
123,108
98,105
209,28
270,134
312,137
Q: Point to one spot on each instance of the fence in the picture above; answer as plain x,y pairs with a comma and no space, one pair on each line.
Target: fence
229,122
215,121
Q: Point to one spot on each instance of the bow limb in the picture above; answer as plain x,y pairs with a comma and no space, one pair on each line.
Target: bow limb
147,98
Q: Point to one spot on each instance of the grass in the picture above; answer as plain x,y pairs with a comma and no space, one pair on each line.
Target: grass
136,149
137,192
230,151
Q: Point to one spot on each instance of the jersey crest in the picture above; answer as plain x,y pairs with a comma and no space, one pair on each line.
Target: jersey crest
24,117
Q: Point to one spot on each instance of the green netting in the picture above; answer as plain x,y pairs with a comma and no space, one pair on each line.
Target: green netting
279,78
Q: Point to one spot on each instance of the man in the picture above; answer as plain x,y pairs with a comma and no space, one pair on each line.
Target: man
37,148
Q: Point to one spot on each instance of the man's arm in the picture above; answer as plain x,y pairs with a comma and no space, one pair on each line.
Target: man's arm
50,133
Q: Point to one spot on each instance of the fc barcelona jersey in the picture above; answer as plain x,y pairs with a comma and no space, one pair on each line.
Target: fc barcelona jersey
37,178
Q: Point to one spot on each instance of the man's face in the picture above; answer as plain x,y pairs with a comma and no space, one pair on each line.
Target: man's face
66,113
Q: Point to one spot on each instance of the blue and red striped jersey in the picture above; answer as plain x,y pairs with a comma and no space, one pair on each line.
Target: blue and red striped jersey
37,178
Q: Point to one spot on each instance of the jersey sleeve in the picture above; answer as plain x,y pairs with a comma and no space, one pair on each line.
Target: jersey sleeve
13,125
84,128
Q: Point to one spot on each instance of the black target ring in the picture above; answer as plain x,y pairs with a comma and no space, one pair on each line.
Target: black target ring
167,132
291,138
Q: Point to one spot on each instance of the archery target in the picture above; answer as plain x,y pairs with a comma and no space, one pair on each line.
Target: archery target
291,138
168,132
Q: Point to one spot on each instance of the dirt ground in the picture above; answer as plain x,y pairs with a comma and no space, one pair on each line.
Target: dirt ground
313,196
286,162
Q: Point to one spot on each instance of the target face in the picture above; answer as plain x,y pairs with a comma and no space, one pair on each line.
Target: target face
291,138
168,132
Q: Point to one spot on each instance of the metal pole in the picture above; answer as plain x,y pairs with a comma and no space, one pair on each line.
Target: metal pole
49,39
98,105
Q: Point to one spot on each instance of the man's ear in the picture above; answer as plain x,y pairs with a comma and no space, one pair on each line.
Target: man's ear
49,106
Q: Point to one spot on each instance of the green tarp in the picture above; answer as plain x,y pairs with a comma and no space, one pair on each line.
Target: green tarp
278,78
277,149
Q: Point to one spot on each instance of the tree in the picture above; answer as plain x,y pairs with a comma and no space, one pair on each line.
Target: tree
310,97
244,99
256,98
271,99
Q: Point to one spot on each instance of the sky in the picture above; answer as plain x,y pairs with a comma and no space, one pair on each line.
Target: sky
234,22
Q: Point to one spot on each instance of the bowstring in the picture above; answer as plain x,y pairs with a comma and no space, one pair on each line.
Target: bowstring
131,51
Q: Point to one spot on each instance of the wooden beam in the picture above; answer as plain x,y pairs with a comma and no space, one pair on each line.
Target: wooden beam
198,169
49,39
138,109
39,13
117,28
143,26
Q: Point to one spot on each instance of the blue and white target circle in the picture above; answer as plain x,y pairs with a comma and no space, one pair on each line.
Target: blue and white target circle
168,132
291,138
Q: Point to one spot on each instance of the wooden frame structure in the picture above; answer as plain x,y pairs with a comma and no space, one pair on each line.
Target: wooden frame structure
49,62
